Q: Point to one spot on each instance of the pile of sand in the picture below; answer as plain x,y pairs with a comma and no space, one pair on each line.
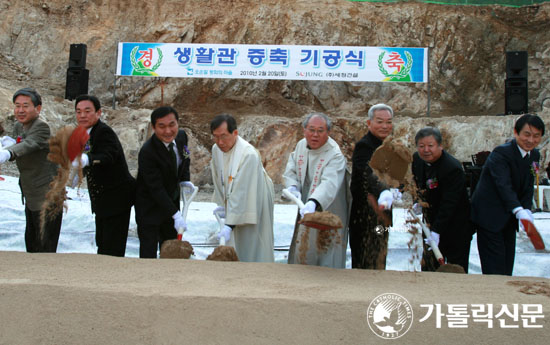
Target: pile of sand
96,299
176,249
223,253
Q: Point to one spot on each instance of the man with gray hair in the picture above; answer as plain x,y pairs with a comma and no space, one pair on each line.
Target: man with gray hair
368,246
30,150
316,173
441,184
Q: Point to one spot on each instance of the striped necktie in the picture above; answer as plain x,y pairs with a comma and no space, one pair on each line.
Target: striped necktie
173,158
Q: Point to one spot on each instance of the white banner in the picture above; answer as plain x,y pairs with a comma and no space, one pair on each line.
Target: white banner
283,62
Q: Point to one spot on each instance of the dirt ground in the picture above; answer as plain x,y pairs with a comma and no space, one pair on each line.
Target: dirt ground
96,299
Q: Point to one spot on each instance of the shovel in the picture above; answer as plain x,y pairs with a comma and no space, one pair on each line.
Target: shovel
1,178
223,252
332,220
221,222
187,198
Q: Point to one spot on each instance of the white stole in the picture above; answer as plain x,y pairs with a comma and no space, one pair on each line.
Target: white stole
227,177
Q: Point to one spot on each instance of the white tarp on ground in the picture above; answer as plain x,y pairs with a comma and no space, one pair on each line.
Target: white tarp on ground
78,233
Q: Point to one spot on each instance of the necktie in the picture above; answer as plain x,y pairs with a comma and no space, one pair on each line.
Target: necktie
173,158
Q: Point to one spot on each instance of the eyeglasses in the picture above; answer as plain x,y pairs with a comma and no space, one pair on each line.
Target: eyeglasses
222,137
318,131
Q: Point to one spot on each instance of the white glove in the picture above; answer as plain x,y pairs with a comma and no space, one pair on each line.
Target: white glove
294,191
397,195
179,222
5,156
220,210
435,237
84,161
225,232
417,209
187,186
309,207
385,199
525,214
74,182
7,141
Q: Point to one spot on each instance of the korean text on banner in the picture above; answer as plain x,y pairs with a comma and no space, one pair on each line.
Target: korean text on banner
283,62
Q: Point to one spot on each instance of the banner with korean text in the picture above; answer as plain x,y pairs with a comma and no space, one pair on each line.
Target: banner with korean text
283,62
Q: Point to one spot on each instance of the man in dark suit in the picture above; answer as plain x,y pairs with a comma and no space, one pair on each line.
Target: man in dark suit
504,195
163,163
442,184
111,187
368,246
35,171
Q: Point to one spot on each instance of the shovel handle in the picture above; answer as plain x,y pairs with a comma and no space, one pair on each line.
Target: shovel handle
428,234
221,223
187,200
180,233
292,197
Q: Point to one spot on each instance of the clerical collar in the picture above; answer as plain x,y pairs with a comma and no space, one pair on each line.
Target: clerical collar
375,138
230,150
522,151
317,149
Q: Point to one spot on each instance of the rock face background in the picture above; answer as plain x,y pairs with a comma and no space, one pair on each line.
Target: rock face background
467,68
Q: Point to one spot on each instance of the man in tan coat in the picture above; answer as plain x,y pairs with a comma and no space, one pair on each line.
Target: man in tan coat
30,153
316,173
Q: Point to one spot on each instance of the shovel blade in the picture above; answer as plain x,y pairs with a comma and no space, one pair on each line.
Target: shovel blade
533,234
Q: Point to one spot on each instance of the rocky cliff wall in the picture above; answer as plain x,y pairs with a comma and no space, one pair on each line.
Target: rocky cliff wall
467,67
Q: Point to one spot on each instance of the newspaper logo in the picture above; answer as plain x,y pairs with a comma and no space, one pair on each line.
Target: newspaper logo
389,316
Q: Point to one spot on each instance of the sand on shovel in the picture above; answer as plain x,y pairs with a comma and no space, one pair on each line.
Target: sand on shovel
391,163
324,220
451,268
223,253
56,195
176,249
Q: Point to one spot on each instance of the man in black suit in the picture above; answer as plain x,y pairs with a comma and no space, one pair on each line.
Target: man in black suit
442,184
368,246
504,195
163,163
111,187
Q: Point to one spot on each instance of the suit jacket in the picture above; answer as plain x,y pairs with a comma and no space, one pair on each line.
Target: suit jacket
35,170
157,192
364,182
111,187
506,182
442,185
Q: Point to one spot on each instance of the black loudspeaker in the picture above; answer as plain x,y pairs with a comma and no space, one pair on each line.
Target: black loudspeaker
77,83
77,56
516,64
515,97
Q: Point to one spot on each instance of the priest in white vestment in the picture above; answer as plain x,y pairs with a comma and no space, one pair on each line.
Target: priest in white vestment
316,173
243,191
